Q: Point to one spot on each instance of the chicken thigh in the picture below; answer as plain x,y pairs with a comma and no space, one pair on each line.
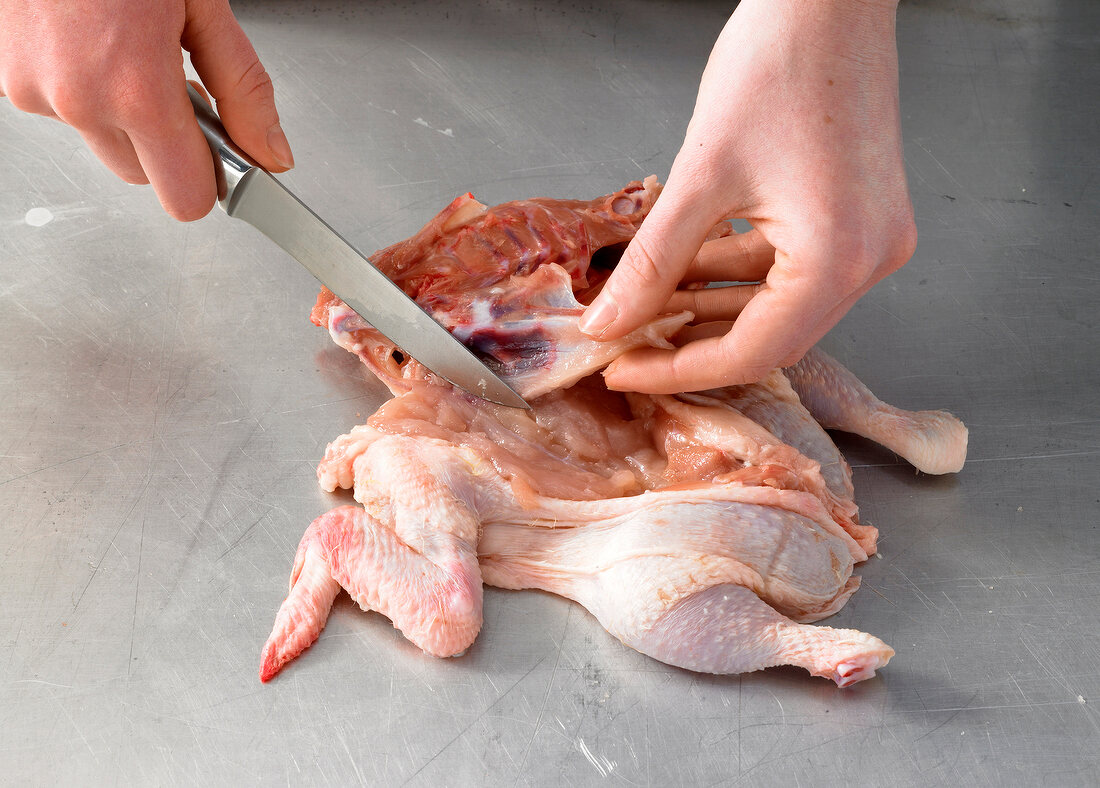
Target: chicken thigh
706,530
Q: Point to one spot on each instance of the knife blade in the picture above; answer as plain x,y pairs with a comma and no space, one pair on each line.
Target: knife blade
249,192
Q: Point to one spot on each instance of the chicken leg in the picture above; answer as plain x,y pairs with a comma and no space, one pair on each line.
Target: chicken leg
934,441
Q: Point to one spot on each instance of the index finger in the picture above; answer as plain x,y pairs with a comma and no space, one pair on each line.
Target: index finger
650,268
741,257
777,324
172,150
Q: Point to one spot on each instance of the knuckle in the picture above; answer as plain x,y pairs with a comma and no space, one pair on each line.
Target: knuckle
862,245
643,267
791,359
751,372
753,291
133,104
682,371
255,84
904,243
838,265
72,104
853,271
853,260
21,98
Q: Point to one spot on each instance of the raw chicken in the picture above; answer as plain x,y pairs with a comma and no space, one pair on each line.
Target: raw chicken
706,530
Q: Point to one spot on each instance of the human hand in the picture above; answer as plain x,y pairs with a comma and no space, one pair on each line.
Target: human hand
113,70
796,129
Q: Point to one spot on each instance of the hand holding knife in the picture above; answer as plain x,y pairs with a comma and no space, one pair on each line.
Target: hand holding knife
249,192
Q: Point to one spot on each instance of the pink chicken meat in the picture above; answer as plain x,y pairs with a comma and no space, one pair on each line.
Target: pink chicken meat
706,530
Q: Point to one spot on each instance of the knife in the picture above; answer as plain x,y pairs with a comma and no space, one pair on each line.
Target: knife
247,191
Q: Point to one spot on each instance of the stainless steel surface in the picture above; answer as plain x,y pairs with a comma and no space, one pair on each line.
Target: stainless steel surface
246,191
166,400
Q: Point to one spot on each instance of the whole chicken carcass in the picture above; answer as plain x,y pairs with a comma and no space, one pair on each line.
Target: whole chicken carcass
706,529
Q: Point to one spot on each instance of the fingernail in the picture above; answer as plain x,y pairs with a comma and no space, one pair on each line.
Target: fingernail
599,316
610,377
279,147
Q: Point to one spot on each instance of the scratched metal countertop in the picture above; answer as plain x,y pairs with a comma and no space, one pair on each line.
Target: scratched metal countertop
165,401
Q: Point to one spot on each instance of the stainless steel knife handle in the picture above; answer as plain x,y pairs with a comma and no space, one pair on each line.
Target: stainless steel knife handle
231,164
247,191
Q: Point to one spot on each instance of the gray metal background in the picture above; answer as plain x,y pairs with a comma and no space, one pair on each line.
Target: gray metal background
165,400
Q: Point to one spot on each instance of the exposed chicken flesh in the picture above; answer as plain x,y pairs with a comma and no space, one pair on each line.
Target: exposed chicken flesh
706,530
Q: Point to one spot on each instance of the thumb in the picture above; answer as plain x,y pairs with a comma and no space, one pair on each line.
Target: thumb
229,67
651,267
